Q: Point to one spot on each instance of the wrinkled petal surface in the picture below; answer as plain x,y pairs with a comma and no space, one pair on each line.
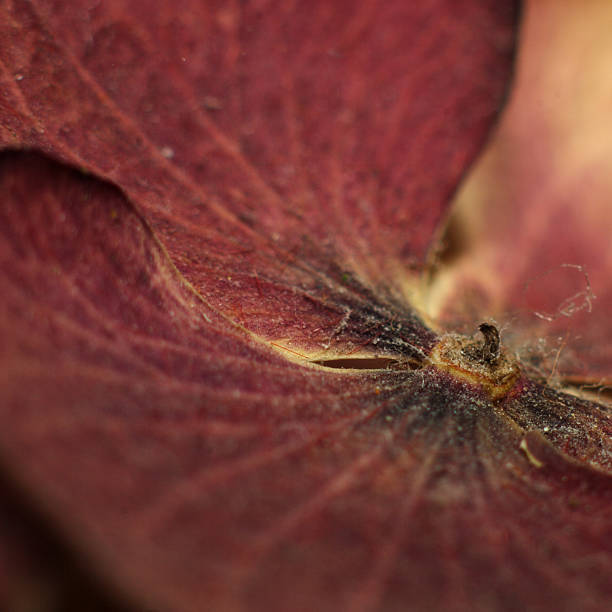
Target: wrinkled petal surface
266,144
244,190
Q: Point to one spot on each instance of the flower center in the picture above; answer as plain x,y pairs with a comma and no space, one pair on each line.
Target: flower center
485,364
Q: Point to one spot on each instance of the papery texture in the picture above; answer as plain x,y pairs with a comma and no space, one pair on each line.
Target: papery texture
266,144
256,187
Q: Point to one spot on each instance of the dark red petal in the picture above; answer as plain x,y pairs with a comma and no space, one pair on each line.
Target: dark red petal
173,437
198,469
267,145
167,443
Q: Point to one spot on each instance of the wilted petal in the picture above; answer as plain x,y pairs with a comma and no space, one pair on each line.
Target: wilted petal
277,187
267,145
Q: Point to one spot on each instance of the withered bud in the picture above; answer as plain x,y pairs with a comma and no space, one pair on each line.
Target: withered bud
490,348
